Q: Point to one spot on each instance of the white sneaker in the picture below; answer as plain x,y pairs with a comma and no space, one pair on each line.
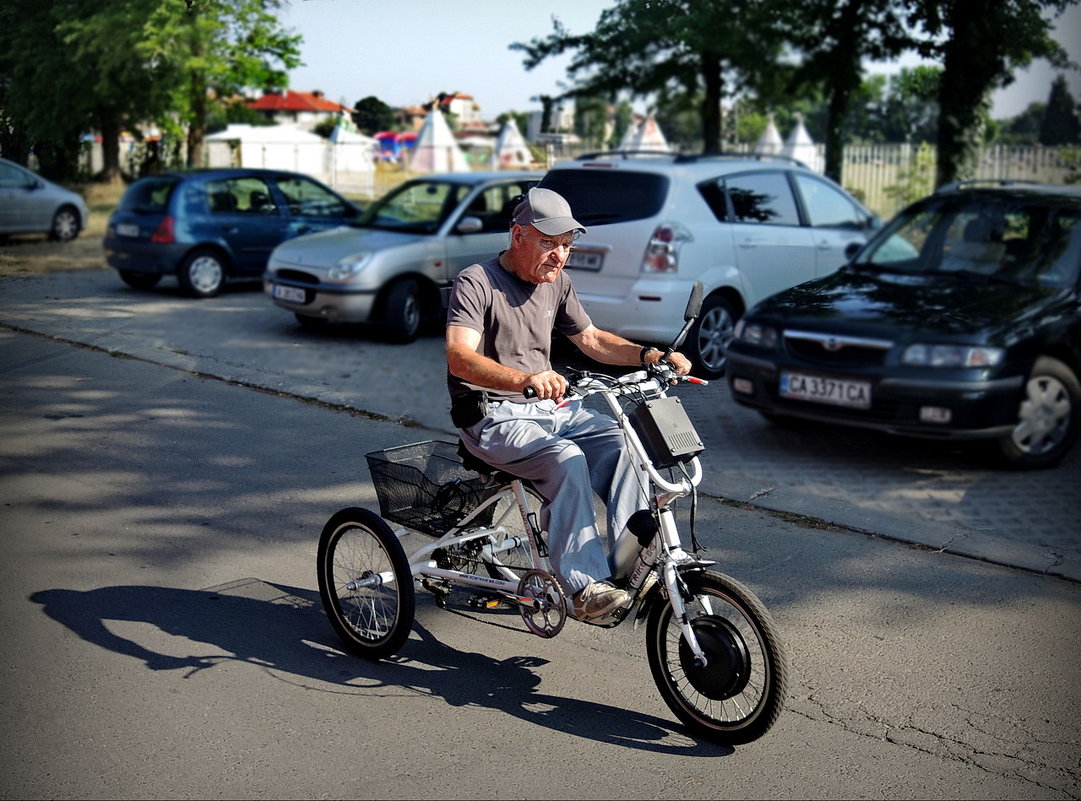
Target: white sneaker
598,599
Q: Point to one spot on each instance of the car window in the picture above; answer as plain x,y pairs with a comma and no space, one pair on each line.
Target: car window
148,195
417,206
308,199
761,197
245,195
599,196
825,206
495,205
14,178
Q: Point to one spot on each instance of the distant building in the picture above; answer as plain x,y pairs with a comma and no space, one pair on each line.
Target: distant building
305,110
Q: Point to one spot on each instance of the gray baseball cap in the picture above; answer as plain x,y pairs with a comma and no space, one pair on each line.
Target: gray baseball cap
546,211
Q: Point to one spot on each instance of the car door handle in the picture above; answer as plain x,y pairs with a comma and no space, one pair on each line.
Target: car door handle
229,229
303,229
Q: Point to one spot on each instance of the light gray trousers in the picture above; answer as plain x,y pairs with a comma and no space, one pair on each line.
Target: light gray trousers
567,454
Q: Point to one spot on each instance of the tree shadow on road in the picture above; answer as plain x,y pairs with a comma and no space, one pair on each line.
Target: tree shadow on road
281,629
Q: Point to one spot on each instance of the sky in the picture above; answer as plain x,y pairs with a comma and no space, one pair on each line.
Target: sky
406,53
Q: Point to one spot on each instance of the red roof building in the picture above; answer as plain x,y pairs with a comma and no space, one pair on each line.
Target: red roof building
303,109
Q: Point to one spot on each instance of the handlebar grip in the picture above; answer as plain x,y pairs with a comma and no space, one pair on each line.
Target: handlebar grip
529,392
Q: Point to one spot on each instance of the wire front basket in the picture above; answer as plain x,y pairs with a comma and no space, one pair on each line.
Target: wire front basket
425,487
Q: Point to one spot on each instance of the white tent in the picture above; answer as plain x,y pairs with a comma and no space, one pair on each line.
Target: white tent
801,147
770,142
352,159
647,135
436,150
277,147
510,148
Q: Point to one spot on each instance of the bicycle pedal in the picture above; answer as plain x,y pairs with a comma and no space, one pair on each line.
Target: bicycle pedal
485,601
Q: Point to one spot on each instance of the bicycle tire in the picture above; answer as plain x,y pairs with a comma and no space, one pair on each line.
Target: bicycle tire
739,695
372,622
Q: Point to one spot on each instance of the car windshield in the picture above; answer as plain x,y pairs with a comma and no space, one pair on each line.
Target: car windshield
1019,240
148,195
417,207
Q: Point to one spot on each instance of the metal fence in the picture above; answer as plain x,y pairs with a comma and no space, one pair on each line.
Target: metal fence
885,176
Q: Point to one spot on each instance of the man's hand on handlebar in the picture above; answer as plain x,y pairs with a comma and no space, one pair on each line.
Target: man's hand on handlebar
546,385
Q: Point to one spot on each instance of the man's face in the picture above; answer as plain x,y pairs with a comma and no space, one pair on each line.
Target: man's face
543,256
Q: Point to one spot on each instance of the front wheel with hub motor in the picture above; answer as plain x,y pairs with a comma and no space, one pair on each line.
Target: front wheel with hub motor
737,695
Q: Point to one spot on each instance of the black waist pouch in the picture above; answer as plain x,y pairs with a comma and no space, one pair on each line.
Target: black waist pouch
469,408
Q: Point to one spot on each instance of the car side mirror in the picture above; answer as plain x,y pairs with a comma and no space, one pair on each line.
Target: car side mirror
851,250
469,225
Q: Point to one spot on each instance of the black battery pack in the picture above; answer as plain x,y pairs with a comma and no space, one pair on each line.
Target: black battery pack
666,431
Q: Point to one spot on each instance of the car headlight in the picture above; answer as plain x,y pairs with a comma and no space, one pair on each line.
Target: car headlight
762,336
925,355
349,266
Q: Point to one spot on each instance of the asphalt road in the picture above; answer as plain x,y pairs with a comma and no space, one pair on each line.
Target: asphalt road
163,636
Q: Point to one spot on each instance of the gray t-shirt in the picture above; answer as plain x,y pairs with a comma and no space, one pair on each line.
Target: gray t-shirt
515,318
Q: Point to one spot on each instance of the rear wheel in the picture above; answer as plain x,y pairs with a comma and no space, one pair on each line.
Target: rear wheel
1047,419
139,280
709,335
202,274
401,311
365,583
739,694
65,225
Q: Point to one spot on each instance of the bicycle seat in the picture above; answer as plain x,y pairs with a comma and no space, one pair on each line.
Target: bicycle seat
471,462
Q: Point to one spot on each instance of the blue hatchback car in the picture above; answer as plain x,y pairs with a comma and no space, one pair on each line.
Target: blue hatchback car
208,227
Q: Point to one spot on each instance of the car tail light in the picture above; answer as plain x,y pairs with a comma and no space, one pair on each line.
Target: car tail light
164,234
662,250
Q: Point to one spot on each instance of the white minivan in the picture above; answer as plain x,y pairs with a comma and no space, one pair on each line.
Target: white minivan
746,226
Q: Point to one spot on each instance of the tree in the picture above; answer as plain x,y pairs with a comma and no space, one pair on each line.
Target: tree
980,45
705,49
69,70
1060,125
216,48
833,40
371,115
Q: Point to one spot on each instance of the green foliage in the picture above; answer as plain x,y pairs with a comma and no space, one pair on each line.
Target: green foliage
916,180
1060,125
371,115
672,50
74,66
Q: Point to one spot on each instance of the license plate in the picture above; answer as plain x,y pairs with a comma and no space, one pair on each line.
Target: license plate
584,260
824,389
289,293
127,229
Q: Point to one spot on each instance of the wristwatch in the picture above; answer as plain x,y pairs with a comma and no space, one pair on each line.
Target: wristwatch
646,349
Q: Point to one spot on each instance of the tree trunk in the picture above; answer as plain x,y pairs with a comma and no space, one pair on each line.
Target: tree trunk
711,105
110,148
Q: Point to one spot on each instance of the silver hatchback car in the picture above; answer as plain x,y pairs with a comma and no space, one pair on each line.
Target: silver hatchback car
394,266
31,205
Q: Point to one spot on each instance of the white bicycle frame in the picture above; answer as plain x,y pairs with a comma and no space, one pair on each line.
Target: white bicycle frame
665,547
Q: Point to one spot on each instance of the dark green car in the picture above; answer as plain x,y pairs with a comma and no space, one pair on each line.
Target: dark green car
960,319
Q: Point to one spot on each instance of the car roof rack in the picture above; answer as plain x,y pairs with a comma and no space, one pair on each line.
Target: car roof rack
688,158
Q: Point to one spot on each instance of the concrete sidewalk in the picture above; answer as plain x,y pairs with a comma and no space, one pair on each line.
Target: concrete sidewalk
931,494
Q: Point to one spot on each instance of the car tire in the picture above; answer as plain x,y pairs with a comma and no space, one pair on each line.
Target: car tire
311,323
65,225
402,311
202,274
139,280
709,335
1047,419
